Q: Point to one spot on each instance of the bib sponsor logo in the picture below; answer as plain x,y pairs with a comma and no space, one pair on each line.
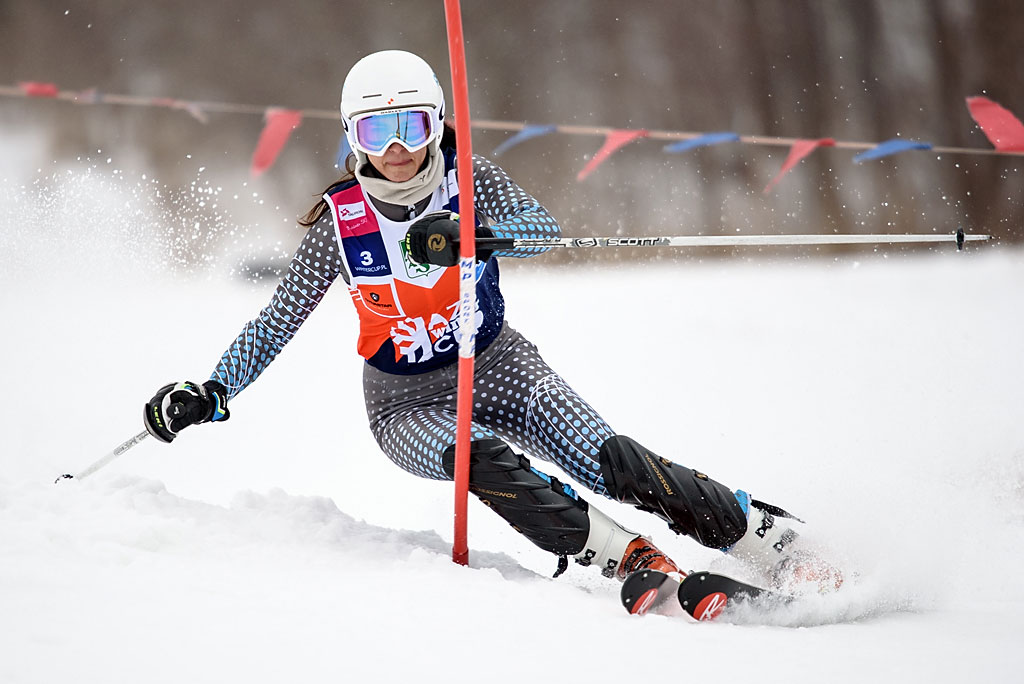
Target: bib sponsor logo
377,298
376,303
366,255
417,340
348,212
412,340
414,270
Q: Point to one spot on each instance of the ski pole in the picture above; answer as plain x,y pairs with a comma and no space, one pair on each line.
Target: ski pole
118,450
499,243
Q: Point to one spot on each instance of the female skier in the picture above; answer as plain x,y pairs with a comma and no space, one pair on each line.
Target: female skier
379,228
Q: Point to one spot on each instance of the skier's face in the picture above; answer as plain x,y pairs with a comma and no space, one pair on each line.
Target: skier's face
398,164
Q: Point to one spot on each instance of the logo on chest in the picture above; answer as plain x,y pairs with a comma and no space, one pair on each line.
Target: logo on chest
413,269
348,212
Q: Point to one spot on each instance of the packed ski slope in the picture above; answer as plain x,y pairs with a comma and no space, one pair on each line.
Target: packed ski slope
879,397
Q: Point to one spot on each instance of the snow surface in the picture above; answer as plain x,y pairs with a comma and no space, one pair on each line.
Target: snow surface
877,397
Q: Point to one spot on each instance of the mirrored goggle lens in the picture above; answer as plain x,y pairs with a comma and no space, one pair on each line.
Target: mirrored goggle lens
375,132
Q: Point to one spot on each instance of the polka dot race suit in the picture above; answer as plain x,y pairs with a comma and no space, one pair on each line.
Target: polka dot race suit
407,318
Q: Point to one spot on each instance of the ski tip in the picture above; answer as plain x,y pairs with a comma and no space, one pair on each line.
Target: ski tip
710,607
705,595
65,476
644,602
642,590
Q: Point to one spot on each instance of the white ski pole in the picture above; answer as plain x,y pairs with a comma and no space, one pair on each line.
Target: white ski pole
118,450
959,237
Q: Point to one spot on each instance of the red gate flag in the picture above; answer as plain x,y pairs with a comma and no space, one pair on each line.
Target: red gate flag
1001,127
799,150
612,142
279,126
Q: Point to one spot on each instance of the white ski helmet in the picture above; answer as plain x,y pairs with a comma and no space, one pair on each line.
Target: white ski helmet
391,80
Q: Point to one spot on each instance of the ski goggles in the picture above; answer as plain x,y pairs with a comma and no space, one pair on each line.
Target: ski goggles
412,128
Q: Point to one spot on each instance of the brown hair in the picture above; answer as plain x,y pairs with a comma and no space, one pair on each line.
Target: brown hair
320,208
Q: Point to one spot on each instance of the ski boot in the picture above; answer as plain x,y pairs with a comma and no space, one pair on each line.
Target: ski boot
641,554
770,547
618,551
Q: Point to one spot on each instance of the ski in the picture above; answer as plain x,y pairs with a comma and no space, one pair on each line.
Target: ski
703,595
646,589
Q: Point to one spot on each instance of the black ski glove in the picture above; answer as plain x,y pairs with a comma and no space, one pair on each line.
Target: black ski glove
434,239
178,405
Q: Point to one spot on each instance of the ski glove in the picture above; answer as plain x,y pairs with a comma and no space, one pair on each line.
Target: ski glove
434,239
178,405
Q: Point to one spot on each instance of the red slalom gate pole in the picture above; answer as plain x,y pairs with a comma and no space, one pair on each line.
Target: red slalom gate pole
467,276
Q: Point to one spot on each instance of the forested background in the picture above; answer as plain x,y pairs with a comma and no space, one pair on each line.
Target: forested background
853,70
